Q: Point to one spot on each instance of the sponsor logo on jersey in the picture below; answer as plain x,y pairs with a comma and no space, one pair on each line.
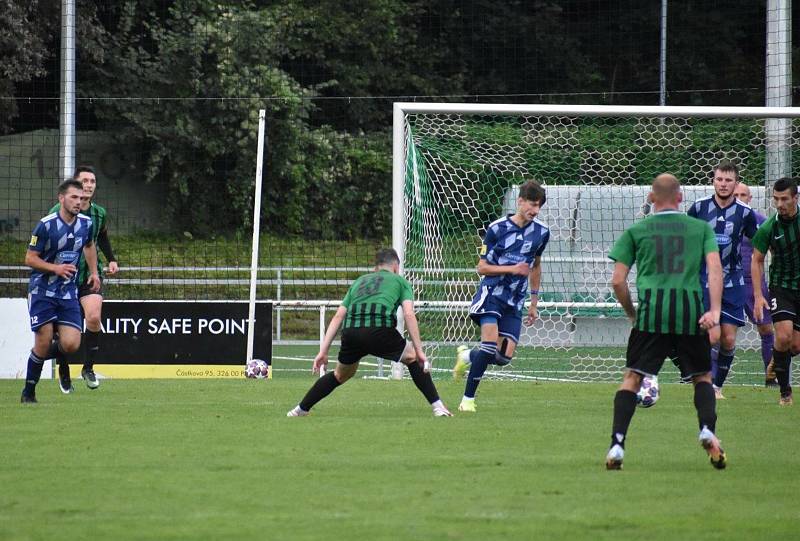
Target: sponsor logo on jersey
526,246
723,240
34,240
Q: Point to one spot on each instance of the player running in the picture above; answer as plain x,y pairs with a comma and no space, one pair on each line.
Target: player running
510,261
780,235
54,254
731,220
668,249
368,313
91,301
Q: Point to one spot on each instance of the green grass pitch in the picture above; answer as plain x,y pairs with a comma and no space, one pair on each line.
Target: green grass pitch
218,459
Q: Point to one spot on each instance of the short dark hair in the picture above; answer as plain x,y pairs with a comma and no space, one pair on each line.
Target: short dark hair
386,256
727,167
533,191
786,183
69,183
83,169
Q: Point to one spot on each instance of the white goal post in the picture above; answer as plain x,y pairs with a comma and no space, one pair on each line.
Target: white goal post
456,168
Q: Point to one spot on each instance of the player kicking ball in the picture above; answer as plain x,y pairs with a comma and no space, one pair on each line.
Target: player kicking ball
510,261
368,313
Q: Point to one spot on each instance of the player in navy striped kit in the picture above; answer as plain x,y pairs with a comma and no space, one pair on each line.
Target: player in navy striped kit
731,221
510,263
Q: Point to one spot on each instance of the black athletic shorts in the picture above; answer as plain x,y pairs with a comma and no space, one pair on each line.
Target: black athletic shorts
647,351
383,342
784,305
84,289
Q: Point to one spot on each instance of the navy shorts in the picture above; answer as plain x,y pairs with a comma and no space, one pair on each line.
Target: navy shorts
44,310
733,302
509,319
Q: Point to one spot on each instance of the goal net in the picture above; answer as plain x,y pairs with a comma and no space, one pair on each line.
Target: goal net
458,167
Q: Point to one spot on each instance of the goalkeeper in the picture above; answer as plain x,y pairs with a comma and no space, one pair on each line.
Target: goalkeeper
368,313
510,259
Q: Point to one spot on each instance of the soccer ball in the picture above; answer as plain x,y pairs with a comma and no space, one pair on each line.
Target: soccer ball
648,393
256,369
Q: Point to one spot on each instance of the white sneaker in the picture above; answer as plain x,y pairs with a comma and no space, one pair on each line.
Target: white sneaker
441,412
718,393
614,457
296,412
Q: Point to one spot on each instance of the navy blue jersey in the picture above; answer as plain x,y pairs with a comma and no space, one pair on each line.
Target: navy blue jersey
58,242
730,225
505,243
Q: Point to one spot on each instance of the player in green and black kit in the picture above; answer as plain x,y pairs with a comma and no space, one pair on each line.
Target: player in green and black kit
91,301
780,234
368,312
668,248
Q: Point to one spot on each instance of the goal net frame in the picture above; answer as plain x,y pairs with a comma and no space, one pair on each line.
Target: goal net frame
777,146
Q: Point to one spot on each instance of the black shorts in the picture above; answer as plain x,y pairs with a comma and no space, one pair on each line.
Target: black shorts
383,342
784,305
84,289
647,351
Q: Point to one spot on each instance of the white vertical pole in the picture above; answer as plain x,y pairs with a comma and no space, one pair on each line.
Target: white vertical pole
321,333
67,114
398,183
662,70
398,205
251,313
778,89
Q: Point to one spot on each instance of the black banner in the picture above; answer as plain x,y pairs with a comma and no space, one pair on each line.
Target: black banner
182,333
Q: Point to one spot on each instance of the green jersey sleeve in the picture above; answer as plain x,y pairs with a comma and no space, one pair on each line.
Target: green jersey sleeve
760,240
406,292
623,250
709,241
55,208
348,298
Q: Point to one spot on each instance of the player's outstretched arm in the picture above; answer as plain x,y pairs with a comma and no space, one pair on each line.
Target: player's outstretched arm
412,326
104,245
333,327
757,272
534,281
710,320
619,282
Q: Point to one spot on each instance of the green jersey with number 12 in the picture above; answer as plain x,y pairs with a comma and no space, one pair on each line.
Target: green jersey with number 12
668,249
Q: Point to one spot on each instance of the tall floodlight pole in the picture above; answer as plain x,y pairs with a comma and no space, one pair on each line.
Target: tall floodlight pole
67,114
779,88
662,64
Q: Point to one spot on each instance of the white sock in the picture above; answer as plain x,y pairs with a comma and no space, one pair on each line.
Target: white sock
467,399
438,405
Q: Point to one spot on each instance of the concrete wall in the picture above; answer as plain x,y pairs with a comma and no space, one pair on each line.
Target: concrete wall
29,176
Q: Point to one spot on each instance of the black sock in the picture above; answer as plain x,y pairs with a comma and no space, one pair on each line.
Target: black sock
706,406
322,388
624,408
782,372
423,381
92,346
